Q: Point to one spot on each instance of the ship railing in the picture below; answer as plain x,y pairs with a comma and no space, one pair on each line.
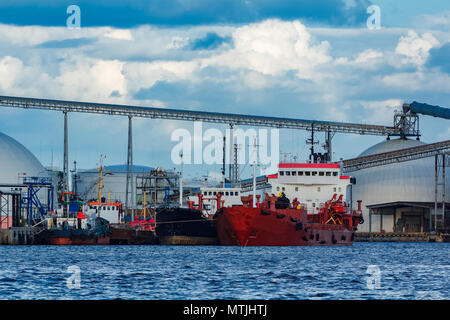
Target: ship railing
39,227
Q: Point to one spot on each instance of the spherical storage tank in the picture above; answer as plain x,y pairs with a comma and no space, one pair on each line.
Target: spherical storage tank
15,160
393,187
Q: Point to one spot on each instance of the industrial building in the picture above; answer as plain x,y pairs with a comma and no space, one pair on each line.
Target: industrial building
25,188
398,197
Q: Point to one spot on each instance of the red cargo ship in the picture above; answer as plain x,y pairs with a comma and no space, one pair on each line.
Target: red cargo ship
277,222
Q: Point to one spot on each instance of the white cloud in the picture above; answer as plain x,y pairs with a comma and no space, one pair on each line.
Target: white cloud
432,81
119,34
415,48
440,21
90,79
368,59
381,111
274,47
10,71
35,35
178,42
145,74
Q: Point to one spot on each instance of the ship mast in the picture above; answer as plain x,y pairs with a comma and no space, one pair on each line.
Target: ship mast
255,161
100,180
181,180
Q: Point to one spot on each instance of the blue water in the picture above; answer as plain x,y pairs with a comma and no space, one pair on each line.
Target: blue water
406,271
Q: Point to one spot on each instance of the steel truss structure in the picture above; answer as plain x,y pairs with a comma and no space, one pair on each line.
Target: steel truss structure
190,115
408,154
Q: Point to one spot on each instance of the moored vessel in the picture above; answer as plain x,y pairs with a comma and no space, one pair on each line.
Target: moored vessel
185,226
139,231
74,224
99,234
273,223
188,226
323,217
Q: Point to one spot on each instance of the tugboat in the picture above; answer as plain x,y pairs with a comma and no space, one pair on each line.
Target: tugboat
69,235
73,226
278,221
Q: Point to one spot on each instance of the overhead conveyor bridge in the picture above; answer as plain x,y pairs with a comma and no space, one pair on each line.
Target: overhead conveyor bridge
192,115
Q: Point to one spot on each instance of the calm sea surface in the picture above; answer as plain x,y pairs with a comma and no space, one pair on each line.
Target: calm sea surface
363,271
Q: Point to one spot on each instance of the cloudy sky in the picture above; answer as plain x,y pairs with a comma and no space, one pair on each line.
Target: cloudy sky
303,59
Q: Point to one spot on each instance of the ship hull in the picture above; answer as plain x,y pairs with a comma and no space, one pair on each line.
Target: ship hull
188,240
288,227
68,237
184,226
123,234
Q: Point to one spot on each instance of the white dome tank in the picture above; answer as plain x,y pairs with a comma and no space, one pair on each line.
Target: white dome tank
15,160
410,181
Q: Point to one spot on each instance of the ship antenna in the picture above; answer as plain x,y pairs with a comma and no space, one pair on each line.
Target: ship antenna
312,142
181,180
223,163
100,179
255,163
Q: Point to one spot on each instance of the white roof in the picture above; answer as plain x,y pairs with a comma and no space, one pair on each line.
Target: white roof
410,181
15,160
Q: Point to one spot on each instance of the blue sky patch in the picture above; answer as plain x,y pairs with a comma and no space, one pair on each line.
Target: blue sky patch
209,42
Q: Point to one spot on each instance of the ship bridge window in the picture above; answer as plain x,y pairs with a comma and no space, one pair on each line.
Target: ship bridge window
205,193
328,174
236,193
307,173
231,193
278,188
288,173
294,173
314,173
318,189
300,173
226,193
321,173
296,188
215,193
335,174
281,173
210,193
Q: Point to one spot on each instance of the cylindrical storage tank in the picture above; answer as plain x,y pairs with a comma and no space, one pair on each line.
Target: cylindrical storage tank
393,184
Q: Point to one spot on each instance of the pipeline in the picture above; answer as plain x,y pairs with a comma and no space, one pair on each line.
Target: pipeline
426,109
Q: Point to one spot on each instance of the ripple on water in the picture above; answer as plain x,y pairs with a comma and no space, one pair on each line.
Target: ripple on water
408,271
